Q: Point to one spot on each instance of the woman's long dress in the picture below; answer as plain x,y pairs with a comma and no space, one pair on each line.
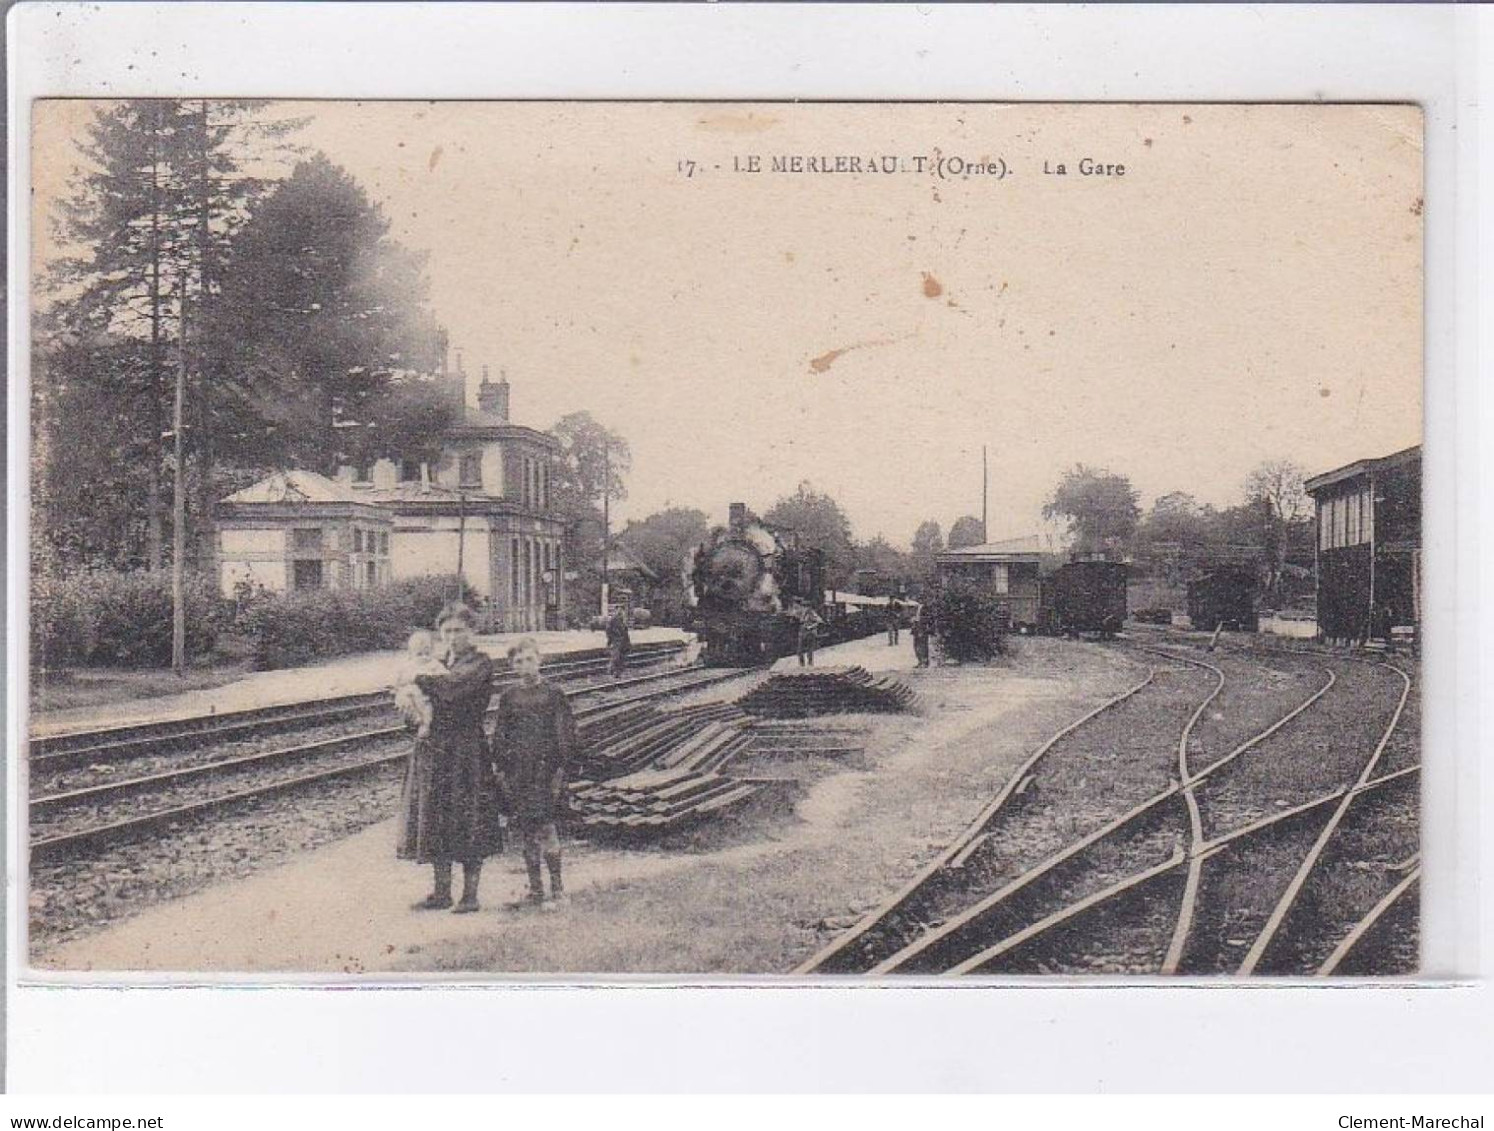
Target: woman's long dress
449,811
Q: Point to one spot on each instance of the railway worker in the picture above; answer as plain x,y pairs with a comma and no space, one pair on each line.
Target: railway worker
449,813
534,746
809,626
893,614
920,632
619,642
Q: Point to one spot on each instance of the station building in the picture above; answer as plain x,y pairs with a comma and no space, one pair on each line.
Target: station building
1010,568
484,506
1368,560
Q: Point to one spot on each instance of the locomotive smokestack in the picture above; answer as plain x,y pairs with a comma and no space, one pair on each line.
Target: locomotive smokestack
738,515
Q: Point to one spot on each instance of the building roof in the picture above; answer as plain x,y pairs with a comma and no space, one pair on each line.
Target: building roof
295,486
1362,467
1027,548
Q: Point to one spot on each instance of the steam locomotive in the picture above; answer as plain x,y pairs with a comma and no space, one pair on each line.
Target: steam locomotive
746,588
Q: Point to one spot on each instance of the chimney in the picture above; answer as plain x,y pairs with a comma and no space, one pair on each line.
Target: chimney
493,399
738,515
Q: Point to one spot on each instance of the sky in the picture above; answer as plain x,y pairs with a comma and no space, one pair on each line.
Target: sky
1249,289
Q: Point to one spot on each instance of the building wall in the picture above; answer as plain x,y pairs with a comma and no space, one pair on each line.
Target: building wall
254,555
422,547
266,552
492,470
1368,542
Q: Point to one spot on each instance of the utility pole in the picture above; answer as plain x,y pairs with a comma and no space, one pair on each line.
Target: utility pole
461,539
179,501
985,535
606,517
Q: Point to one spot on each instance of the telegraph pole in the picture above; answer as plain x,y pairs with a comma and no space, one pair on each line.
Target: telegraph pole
985,535
606,517
179,502
461,539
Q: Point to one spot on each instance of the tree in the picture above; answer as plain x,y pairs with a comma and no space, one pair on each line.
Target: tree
820,524
147,223
966,531
1174,535
661,542
319,311
927,542
1274,491
405,420
892,570
1102,508
593,461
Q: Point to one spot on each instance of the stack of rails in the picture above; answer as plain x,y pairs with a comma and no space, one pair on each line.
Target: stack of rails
794,738
829,691
656,771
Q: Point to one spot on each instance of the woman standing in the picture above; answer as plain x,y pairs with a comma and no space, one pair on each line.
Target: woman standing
534,745
450,808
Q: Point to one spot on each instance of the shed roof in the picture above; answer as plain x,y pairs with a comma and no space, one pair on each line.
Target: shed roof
1027,548
1362,467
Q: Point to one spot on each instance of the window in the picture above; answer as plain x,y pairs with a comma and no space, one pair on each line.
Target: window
371,574
1325,526
307,574
1367,519
358,541
1351,523
1001,578
384,544
471,470
307,541
513,572
409,471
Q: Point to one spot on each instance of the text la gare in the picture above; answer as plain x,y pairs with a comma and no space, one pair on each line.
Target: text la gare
1087,167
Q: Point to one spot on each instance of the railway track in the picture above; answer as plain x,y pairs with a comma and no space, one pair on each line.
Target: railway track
77,822
59,753
1151,883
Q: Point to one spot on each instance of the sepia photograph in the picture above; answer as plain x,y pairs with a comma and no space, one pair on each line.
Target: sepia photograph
830,541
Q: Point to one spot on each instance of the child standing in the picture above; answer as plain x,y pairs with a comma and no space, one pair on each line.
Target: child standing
534,745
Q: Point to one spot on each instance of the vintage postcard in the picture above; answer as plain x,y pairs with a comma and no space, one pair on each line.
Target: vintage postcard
869,540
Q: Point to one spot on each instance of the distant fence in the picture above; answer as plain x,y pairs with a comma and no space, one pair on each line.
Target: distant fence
1302,627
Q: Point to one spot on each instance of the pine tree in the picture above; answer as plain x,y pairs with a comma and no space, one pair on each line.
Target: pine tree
319,310
151,219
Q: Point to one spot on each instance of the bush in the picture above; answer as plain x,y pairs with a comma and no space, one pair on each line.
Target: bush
287,629
969,619
114,618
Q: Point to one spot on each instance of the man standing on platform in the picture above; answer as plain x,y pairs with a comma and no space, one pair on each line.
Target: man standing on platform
809,625
619,642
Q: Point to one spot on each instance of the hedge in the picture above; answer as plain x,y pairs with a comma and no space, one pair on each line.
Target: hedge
287,629
114,618
970,620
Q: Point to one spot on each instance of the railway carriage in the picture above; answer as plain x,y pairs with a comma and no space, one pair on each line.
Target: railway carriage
1227,596
1085,596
